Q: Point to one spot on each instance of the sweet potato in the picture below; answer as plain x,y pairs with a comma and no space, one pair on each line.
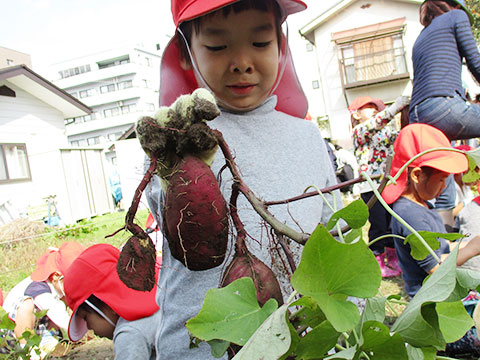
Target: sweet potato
245,264
195,215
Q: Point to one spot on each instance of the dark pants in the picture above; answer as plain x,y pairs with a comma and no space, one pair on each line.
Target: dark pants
379,219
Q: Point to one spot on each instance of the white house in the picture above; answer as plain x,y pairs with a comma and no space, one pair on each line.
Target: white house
362,48
36,160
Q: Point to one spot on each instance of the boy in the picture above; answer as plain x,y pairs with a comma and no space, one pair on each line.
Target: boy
372,142
100,301
423,181
238,51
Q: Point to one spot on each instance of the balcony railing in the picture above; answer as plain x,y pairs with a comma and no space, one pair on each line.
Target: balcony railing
374,67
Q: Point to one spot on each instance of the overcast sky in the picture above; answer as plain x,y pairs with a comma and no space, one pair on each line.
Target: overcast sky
57,30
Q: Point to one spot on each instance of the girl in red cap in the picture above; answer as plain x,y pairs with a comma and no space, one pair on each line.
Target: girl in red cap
42,290
237,50
100,301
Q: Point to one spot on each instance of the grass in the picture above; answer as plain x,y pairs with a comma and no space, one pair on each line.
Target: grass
22,242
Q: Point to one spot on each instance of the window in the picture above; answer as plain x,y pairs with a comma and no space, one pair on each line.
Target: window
93,140
10,62
14,163
107,88
87,93
146,84
309,47
111,112
150,107
128,108
125,84
74,71
315,84
113,62
372,54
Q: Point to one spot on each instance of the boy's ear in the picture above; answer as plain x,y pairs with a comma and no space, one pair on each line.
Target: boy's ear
185,64
356,115
415,174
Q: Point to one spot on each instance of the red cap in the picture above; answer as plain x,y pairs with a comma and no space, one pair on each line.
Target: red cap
174,81
361,101
464,147
414,139
56,260
94,273
183,10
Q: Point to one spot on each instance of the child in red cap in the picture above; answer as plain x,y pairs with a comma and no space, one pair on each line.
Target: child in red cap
237,50
372,142
100,301
422,181
42,290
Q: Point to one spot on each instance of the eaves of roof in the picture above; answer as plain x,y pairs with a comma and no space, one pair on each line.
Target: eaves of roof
31,82
308,29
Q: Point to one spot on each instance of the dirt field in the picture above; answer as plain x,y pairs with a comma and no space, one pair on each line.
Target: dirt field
94,349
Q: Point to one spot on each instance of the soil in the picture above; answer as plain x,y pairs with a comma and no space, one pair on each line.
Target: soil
94,348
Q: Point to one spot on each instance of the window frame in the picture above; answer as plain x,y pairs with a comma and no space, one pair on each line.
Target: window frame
4,163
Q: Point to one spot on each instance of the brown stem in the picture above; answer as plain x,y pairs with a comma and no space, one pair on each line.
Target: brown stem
130,225
288,253
257,204
323,191
240,245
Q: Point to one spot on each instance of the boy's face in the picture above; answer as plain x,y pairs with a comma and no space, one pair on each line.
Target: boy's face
366,112
97,323
431,186
238,57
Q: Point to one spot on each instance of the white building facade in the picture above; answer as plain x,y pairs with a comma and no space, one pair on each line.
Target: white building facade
362,48
119,85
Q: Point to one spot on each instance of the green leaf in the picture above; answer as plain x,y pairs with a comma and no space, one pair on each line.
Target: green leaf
353,235
231,313
346,354
317,342
6,323
218,347
419,251
377,339
330,271
310,314
270,341
295,339
453,319
374,309
471,176
416,324
426,353
467,278
355,215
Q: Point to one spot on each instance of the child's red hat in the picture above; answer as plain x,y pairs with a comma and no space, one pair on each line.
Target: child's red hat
56,260
414,139
94,272
174,81
361,101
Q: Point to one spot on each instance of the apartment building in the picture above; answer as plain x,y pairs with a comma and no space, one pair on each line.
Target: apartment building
119,85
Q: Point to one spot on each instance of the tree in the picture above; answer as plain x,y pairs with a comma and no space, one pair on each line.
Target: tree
474,6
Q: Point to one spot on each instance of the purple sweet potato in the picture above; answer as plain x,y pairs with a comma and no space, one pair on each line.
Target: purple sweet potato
136,264
245,264
196,216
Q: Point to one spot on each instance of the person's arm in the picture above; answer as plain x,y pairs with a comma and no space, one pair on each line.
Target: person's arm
471,249
130,343
467,45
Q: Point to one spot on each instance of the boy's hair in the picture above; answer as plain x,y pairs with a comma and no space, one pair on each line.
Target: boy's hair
430,9
188,27
427,170
95,301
